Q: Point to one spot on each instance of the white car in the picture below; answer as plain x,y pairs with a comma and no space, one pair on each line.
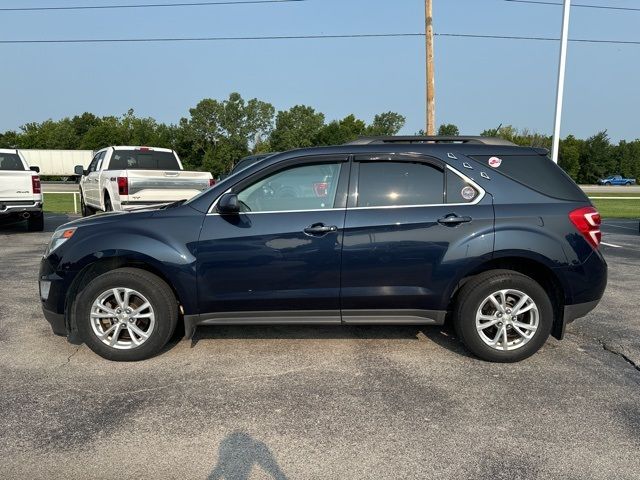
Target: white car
125,178
20,191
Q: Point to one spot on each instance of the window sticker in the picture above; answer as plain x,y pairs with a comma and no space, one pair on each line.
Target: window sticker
494,162
468,193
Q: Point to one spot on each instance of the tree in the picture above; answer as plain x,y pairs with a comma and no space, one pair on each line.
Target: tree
387,123
297,127
569,156
342,131
448,129
596,159
233,124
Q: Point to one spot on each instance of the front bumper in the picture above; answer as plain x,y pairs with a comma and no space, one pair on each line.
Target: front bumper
53,287
56,320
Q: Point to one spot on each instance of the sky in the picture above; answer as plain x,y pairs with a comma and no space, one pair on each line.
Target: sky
480,83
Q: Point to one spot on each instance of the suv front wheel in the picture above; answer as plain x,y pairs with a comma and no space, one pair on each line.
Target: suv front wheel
126,314
503,316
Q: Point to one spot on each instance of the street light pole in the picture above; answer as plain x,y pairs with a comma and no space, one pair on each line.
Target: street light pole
566,11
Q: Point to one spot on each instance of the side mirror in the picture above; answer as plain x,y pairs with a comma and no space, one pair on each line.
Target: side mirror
78,170
228,204
35,169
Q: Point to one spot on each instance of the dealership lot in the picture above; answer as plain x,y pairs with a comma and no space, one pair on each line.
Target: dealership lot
320,402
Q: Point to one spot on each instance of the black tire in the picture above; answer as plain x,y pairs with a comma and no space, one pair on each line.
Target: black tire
107,204
158,294
86,211
607,184
470,299
35,223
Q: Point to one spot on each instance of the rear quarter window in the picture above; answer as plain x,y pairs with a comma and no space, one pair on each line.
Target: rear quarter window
537,172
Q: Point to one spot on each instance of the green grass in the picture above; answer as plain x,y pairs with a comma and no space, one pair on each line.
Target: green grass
618,208
59,203
614,194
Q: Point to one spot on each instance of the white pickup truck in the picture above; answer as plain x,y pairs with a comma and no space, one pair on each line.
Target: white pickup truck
125,178
20,191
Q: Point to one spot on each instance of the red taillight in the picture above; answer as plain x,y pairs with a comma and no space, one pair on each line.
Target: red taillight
587,220
123,186
321,189
212,182
35,184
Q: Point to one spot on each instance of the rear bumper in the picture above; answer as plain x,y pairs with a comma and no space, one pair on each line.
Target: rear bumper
9,208
579,310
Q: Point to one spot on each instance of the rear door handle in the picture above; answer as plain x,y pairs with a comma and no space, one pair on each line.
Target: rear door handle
453,219
320,229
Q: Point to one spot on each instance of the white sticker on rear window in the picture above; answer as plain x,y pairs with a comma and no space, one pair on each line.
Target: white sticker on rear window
468,193
494,162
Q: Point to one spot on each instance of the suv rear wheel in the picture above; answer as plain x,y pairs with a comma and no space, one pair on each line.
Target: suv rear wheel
126,314
503,316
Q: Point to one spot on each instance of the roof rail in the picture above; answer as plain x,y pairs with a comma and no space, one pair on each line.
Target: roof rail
431,139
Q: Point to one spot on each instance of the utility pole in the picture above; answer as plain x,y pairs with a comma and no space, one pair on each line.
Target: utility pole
430,80
561,71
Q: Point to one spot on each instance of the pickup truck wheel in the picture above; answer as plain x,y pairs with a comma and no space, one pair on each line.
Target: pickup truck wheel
503,316
126,314
107,204
35,223
86,211
607,184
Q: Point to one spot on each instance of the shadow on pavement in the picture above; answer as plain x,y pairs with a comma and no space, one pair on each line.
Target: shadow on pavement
443,336
51,222
239,453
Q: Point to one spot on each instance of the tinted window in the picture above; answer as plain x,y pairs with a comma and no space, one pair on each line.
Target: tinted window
459,190
10,161
307,187
399,183
94,163
143,160
537,172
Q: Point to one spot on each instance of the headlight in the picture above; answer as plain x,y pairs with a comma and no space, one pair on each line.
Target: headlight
58,238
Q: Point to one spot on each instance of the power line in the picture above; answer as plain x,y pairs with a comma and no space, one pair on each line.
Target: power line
582,5
314,37
144,5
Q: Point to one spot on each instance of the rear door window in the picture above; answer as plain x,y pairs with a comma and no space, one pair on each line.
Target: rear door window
10,161
143,160
537,172
388,183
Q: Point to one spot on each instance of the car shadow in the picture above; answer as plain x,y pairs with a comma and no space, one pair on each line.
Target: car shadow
51,222
443,336
239,453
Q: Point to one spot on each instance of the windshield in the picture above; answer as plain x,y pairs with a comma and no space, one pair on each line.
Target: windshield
10,161
143,160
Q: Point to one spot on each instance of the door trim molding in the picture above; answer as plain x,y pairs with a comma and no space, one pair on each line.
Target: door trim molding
395,316
398,316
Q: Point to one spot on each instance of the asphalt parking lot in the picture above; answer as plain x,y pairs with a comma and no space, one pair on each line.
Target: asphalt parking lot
320,402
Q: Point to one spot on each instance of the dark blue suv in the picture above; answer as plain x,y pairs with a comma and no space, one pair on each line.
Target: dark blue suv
391,230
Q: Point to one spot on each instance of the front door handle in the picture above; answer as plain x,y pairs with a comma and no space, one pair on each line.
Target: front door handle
320,229
453,219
